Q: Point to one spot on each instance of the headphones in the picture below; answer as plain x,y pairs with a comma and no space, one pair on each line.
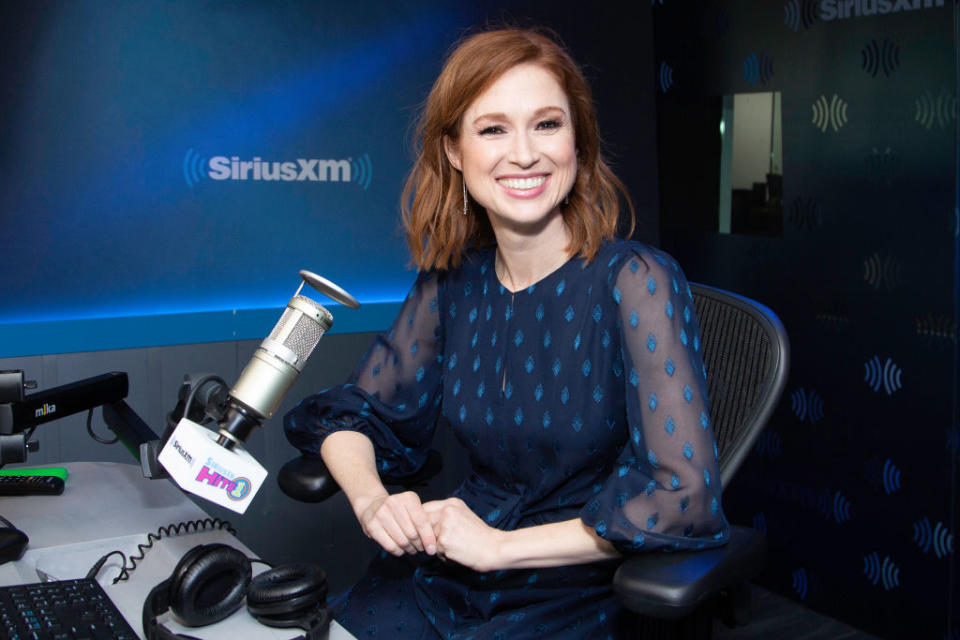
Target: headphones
211,581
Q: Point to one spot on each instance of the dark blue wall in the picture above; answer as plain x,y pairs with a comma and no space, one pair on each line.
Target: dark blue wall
120,125
855,480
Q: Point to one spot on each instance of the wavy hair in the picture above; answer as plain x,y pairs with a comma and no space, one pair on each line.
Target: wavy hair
432,202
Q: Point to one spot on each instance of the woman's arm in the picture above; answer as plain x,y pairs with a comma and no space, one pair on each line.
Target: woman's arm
465,538
397,522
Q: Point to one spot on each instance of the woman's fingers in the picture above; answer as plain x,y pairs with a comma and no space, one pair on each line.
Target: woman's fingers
399,524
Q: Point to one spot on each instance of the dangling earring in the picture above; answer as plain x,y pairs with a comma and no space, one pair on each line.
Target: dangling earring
566,200
464,183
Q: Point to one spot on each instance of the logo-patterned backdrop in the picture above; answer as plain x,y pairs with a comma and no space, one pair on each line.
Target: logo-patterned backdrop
855,479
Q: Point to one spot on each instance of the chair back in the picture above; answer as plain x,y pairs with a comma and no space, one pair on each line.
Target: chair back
747,354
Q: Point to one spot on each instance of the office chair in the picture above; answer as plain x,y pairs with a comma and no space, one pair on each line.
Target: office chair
676,595
747,354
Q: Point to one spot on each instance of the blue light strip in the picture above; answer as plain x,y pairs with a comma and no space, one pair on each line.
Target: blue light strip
101,334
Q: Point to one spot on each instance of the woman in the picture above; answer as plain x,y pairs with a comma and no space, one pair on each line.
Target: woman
567,363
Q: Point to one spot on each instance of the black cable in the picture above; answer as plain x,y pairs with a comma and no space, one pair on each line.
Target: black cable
171,530
95,569
7,522
95,436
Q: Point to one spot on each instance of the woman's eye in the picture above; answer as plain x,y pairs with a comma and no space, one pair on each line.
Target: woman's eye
549,124
491,130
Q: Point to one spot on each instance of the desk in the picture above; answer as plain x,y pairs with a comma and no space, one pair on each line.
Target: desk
107,506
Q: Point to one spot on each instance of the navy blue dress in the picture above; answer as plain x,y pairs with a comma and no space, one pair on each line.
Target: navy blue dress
582,396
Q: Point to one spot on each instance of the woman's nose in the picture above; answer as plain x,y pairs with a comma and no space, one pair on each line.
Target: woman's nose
523,151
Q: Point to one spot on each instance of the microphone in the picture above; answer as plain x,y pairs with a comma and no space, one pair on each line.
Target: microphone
215,466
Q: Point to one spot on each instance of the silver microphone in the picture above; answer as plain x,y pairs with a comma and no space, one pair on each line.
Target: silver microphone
279,359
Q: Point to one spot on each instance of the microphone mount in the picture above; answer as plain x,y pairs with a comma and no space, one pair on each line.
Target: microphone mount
20,414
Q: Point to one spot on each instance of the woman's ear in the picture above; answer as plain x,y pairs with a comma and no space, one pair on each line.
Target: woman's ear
452,149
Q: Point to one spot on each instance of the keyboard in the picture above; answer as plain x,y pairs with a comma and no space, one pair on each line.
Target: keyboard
60,610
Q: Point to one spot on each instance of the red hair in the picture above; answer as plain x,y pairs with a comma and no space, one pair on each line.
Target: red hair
432,203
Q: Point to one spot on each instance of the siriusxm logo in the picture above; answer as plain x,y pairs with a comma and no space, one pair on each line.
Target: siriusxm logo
357,170
841,9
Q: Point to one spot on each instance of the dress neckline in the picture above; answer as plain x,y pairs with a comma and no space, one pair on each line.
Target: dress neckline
491,265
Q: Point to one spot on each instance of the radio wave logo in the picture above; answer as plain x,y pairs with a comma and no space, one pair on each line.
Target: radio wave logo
937,538
800,583
832,113
715,23
882,166
768,444
807,404
194,166
883,56
841,508
886,375
882,273
890,477
666,77
835,316
940,110
805,214
757,69
953,441
798,13
760,523
881,572
937,328
825,504
362,171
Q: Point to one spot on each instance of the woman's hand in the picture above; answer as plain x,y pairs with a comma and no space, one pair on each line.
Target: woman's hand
397,522
462,536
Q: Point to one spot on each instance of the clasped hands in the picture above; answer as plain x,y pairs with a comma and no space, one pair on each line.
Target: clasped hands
401,524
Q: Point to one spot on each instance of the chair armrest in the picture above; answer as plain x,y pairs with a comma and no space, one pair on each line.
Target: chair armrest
307,479
673,585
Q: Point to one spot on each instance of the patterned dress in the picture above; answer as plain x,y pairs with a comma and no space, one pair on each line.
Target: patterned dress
582,396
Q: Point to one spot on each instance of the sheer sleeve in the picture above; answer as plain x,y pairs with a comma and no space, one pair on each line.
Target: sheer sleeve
393,396
664,491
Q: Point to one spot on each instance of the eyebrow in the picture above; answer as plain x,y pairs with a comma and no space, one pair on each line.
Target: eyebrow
536,114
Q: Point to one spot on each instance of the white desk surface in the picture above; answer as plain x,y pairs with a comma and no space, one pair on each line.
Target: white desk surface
107,506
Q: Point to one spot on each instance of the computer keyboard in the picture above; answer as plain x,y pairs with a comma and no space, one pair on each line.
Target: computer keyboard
60,610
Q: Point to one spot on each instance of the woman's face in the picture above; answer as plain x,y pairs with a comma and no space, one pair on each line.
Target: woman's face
517,149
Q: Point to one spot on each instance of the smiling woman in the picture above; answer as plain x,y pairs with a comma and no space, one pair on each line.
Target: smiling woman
566,361
517,154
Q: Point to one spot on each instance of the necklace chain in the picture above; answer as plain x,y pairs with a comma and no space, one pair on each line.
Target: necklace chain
499,269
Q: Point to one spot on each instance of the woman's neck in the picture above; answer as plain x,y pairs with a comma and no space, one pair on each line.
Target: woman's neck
525,260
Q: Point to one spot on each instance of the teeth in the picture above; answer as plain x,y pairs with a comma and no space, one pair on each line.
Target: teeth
523,183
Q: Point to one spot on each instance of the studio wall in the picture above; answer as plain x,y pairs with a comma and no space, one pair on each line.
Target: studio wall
855,479
105,212
167,168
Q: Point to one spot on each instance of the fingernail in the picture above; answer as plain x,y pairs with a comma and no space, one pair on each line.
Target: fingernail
431,549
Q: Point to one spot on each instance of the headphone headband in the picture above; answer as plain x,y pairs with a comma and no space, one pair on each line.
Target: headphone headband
210,582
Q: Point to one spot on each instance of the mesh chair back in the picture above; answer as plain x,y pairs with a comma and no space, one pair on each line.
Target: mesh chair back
746,352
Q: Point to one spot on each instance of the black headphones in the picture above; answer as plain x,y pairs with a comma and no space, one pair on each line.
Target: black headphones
211,581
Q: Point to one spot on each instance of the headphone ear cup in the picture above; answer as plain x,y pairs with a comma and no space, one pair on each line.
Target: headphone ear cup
285,595
208,584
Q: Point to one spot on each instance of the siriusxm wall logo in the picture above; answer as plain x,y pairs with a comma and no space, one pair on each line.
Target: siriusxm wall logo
197,168
885,572
842,9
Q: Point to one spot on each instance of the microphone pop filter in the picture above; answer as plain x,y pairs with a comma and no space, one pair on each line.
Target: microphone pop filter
329,289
